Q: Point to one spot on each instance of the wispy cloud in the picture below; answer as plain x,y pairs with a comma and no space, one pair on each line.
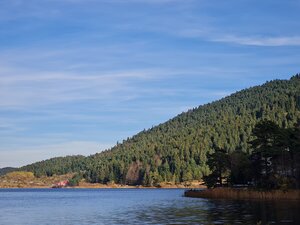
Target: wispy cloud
25,84
21,86
33,89
260,41
122,1
213,35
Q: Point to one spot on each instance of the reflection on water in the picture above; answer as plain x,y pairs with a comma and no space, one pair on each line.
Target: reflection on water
135,206
222,212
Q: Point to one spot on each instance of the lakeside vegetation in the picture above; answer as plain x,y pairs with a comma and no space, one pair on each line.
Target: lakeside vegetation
273,163
244,194
178,150
23,179
6,170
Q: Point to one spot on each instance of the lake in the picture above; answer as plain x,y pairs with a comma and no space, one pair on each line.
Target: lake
134,206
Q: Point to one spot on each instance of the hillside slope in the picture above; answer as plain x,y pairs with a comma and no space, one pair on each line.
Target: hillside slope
6,170
176,150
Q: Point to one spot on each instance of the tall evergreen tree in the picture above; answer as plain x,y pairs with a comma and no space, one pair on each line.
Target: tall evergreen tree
218,163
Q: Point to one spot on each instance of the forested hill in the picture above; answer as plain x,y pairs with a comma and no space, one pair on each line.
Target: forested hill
176,150
6,170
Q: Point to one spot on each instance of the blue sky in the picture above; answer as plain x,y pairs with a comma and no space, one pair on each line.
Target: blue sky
76,76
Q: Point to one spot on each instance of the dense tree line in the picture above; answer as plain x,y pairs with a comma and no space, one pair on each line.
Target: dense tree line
176,151
57,165
6,170
274,161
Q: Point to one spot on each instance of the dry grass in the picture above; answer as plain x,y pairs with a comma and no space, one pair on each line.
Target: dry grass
19,175
22,179
240,194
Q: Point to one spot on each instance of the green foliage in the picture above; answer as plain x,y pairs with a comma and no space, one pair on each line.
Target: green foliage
265,150
276,156
6,170
273,163
176,151
57,166
218,163
74,181
240,168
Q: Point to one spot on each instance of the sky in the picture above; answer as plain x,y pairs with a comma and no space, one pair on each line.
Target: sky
78,76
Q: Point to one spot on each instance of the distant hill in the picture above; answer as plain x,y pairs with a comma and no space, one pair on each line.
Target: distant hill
175,151
6,170
21,179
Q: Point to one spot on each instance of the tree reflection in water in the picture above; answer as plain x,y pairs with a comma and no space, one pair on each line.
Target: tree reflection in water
221,212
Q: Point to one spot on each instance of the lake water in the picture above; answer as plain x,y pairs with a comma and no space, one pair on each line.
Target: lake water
134,206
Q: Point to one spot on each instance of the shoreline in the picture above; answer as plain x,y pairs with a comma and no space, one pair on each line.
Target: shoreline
244,194
104,186
23,179
96,187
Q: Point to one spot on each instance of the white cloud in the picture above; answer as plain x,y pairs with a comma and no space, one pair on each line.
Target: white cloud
260,41
213,34
123,1
41,88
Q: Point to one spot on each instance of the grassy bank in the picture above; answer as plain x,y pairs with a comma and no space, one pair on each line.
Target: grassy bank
241,194
23,179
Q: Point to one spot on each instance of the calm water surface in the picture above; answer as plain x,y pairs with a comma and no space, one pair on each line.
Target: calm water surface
134,206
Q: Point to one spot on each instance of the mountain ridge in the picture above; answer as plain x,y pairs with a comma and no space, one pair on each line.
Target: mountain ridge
176,149
6,170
